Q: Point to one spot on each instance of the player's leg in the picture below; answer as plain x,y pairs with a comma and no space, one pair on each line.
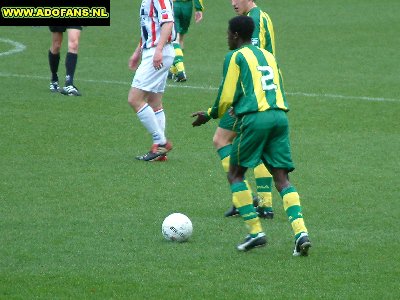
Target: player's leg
184,24
138,100
277,155
178,66
242,199
223,143
155,98
160,115
71,61
264,191
177,18
54,57
292,206
155,102
183,13
145,97
223,137
246,152
180,38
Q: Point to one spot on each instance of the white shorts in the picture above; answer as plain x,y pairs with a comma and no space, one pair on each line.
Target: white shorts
149,79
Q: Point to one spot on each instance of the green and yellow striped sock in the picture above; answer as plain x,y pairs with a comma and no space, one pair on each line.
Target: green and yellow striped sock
173,70
224,155
241,198
291,204
178,60
264,186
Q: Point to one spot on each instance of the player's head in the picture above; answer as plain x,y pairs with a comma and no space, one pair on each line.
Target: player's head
242,7
240,31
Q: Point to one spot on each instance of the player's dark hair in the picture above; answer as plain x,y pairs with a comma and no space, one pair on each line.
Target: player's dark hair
243,25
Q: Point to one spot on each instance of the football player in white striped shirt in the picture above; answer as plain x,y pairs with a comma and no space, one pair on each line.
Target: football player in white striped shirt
155,54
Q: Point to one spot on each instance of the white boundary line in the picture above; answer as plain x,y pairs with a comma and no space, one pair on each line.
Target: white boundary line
18,47
127,83
310,95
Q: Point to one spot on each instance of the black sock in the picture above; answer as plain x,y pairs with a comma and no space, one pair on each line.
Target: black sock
54,60
70,65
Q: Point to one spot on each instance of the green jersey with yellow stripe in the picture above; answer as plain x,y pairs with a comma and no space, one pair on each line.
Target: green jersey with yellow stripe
251,82
263,35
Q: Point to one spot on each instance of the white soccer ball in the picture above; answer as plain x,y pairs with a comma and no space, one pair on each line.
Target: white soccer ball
177,227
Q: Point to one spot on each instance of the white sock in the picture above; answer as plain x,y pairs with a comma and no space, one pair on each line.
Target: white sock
160,115
148,118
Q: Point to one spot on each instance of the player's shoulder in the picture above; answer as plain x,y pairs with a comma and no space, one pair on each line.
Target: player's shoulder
265,52
254,12
230,59
265,15
228,56
250,51
257,12
247,49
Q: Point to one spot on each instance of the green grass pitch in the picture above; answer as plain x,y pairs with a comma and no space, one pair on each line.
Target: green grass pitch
80,218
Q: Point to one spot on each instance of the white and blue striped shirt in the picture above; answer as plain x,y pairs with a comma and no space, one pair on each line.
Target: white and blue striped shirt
154,13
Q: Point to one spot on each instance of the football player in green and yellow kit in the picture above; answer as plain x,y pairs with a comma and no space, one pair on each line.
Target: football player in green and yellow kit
183,11
263,37
252,91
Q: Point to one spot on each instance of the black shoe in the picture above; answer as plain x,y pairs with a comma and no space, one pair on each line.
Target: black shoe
156,153
54,87
70,90
180,77
170,75
264,214
249,243
231,212
302,245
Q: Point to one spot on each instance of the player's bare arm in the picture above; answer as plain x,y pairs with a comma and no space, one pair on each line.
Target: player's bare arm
135,58
166,30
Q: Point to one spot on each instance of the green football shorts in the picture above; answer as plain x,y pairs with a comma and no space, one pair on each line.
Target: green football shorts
183,14
229,123
263,135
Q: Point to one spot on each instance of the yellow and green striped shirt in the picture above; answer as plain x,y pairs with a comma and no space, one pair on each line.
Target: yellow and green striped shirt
263,35
251,82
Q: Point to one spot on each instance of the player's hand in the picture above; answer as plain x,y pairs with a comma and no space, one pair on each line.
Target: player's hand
198,16
202,118
157,59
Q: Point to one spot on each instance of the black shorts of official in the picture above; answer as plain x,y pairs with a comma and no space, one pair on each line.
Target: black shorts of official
63,28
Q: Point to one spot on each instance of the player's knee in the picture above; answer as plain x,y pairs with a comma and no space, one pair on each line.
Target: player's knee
73,46
131,102
235,175
55,48
232,178
216,142
220,140
137,104
134,103
281,181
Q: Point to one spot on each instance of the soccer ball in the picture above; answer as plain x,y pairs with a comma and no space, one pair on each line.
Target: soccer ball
177,227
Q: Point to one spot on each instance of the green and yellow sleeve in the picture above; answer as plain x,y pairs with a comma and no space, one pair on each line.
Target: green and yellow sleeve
227,91
198,5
